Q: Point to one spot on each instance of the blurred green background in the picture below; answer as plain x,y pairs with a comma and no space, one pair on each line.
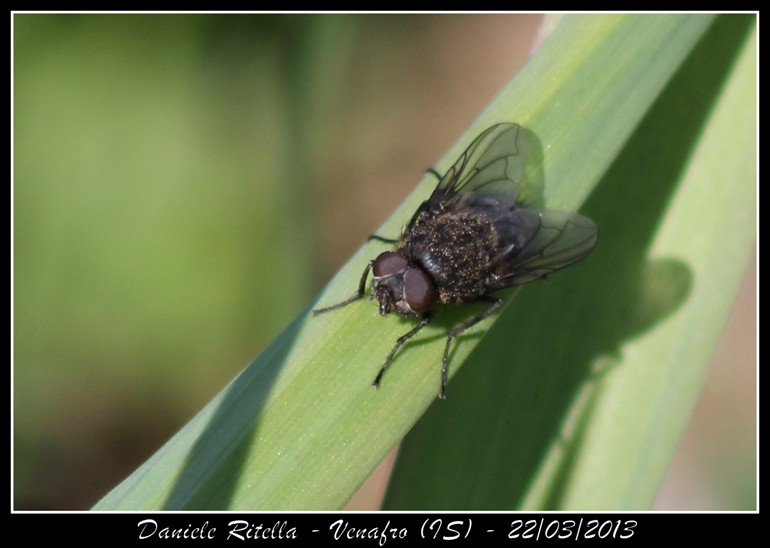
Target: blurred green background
185,184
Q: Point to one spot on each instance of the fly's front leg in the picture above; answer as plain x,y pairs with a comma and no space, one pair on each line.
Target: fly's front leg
361,290
459,329
382,239
425,319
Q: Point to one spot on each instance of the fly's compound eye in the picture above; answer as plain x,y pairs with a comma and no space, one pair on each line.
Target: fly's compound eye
389,263
419,291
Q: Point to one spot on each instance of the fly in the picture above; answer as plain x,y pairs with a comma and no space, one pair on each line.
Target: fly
473,236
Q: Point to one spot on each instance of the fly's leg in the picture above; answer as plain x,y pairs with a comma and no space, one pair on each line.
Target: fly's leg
361,290
381,239
459,329
425,319
433,172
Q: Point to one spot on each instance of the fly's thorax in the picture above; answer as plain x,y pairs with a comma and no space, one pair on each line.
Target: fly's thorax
401,286
455,248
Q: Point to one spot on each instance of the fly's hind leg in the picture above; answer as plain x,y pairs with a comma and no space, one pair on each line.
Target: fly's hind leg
458,330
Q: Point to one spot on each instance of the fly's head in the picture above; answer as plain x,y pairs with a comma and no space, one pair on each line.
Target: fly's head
402,287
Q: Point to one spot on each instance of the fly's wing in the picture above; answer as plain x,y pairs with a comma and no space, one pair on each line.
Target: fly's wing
535,243
491,168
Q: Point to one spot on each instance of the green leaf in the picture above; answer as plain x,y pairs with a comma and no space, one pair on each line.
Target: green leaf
584,391
301,428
